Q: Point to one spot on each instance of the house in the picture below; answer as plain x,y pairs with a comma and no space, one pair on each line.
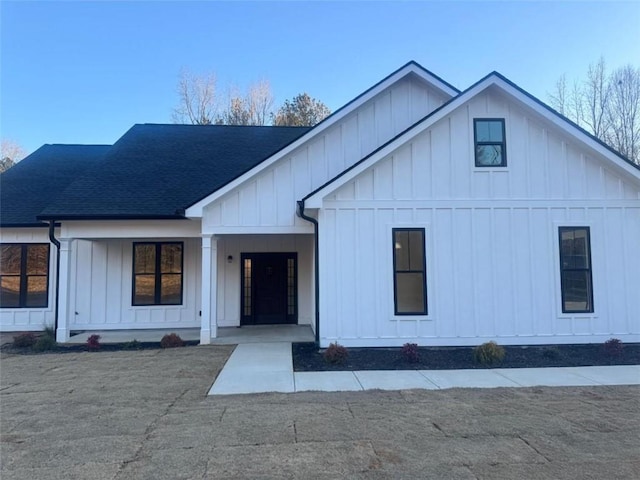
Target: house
415,213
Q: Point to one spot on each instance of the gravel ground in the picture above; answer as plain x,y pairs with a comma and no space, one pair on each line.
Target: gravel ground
145,415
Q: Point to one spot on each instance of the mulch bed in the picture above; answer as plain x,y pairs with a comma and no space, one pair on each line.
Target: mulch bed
308,358
9,348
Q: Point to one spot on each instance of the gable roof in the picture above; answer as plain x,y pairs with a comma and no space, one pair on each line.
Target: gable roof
314,199
29,186
155,171
410,68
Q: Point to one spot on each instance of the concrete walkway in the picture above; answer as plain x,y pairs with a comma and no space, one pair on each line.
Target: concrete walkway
268,367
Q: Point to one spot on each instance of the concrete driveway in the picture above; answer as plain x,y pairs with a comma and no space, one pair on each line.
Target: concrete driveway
145,415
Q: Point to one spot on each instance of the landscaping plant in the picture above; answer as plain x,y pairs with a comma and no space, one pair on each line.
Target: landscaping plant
613,348
410,352
93,342
46,341
171,340
336,354
488,353
25,340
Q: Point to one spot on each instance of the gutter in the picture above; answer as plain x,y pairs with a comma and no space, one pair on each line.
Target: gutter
316,261
54,240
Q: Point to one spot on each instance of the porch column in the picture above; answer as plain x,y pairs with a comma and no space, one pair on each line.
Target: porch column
64,291
209,323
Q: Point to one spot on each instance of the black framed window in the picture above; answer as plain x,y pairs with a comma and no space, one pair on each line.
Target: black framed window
409,271
490,144
24,275
575,270
157,273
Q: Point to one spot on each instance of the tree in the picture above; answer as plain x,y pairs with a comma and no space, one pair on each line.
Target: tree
253,108
606,105
301,111
198,102
10,154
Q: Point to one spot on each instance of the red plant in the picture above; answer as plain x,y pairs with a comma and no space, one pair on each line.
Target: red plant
410,352
171,340
613,347
93,342
336,353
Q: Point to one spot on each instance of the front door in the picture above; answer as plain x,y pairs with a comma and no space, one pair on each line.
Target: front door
269,288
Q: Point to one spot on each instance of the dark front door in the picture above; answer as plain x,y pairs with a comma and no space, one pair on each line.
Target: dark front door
269,288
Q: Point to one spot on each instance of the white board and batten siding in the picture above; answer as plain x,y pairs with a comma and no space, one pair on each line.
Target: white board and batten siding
266,202
30,319
491,237
101,288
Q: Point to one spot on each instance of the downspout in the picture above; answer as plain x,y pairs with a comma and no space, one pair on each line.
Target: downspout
316,265
54,240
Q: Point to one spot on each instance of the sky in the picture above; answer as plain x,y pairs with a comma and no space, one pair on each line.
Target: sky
84,72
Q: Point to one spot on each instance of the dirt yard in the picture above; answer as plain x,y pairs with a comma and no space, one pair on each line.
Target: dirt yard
144,415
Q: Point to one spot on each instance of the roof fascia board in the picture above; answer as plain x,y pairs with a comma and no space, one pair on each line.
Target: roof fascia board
314,199
195,210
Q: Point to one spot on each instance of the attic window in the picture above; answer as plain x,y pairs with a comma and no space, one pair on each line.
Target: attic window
489,141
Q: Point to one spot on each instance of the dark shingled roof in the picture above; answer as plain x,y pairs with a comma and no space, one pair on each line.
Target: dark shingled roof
156,171
29,186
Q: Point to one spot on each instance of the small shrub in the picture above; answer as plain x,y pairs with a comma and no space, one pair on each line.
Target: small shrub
613,348
25,340
335,354
410,352
551,353
488,353
171,340
93,342
45,343
132,345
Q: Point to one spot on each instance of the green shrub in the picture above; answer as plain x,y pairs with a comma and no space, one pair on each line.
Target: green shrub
488,353
410,352
132,345
335,354
45,343
613,347
25,340
171,340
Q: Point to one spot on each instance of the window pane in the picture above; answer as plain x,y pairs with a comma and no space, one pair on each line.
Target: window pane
145,289
489,155
482,131
401,248
576,291
416,250
37,259
145,258
10,256
171,289
9,292
171,258
36,291
410,293
495,131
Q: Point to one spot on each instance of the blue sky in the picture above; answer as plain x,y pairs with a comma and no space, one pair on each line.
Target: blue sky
85,72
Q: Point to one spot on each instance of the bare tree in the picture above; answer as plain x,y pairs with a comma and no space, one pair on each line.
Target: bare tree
623,111
198,102
302,110
606,105
10,154
253,108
